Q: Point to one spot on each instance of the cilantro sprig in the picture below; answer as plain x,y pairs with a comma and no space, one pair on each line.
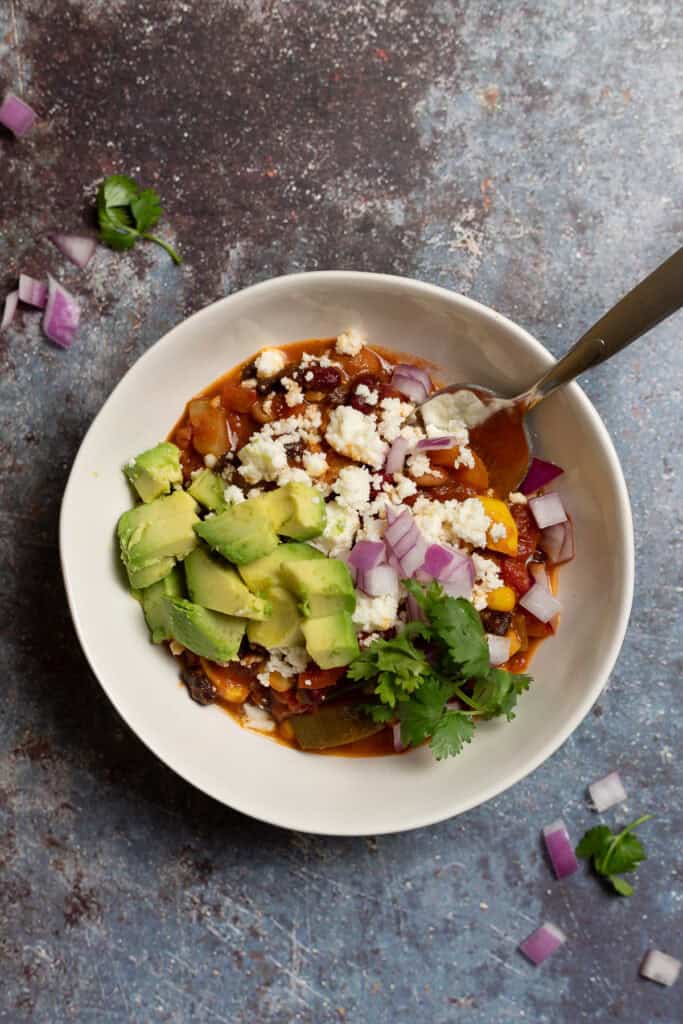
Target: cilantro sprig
614,855
414,684
126,212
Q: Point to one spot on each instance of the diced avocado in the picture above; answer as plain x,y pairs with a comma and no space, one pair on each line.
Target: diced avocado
155,606
283,628
331,640
152,473
265,573
215,585
241,533
321,587
307,518
208,634
276,505
209,490
151,534
332,726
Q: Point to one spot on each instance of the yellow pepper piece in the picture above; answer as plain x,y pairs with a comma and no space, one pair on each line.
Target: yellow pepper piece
499,513
515,642
502,599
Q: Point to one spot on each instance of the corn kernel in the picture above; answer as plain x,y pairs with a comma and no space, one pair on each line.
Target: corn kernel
502,599
286,730
233,693
515,642
280,683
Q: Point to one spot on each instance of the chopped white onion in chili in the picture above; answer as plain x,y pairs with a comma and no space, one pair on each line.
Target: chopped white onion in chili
499,648
607,792
548,510
396,733
558,542
543,943
560,849
17,115
77,248
541,603
377,582
660,967
396,456
32,292
62,314
9,309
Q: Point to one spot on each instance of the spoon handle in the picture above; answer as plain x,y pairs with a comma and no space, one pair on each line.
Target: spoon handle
651,301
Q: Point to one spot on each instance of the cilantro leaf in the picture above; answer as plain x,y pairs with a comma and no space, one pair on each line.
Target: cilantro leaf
613,855
457,625
595,841
146,209
453,730
125,213
378,712
621,886
421,715
496,692
397,665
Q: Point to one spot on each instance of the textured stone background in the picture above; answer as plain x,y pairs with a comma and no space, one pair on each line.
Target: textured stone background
525,154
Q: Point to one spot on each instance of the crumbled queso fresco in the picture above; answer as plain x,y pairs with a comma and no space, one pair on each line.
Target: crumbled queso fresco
358,495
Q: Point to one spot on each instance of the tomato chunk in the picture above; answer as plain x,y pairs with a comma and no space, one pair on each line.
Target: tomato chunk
209,427
516,575
319,678
237,398
528,533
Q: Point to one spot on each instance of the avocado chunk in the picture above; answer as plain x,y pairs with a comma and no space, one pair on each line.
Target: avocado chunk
204,632
155,605
321,587
276,506
209,490
331,640
241,533
266,572
152,473
332,726
217,586
151,536
307,518
283,628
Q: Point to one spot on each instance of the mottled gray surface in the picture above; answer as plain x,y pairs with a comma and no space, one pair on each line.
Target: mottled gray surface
525,154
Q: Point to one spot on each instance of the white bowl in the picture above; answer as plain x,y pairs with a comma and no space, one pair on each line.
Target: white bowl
339,795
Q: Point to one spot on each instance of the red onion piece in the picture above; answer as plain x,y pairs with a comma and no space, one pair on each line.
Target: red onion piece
77,248
540,473
558,542
415,613
62,314
541,603
413,559
542,943
411,381
435,444
32,292
366,554
548,510
396,456
396,730
460,586
17,115
607,792
499,648
660,967
437,560
560,849
379,581
10,308
399,526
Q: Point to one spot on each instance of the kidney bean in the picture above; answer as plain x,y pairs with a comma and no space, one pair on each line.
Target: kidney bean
497,623
319,378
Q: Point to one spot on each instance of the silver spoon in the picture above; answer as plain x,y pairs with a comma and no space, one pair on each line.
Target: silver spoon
653,300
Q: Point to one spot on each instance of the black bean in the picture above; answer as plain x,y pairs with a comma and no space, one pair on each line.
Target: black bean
200,688
248,372
497,623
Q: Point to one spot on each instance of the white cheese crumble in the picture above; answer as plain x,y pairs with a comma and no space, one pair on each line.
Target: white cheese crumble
269,362
257,718
262,459
459,408
486,578
315,463
375,613
210,460
350,342
366,641
418,465
464,458
394,412
402,487
293,393
497,531
308,359
517,498
353,487
367,395
452,521
288,661
292,475
233,495
353,434
340,529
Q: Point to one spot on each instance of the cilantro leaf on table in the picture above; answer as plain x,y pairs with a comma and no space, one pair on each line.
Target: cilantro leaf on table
125,213
613,855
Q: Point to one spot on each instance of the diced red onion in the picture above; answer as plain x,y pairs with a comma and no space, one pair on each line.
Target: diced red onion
17,115
660,967
542,943
77,248
407,542
499,648
548,510
413,559
541,603
460,587
392,515
366,554
398,745
434,444
402,525
415,613
379,581
411,381
32,292
396,456
540,473
607,792
438,559
9,309
539,574
62,314
558,542
560,849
